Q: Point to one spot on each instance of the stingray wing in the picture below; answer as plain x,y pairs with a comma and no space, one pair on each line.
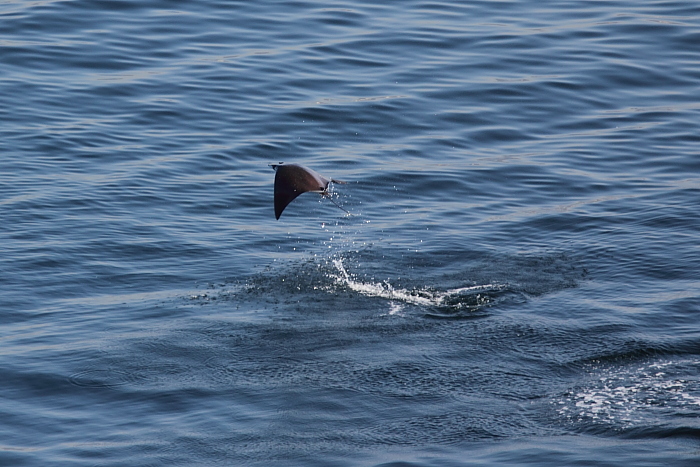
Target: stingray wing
291,180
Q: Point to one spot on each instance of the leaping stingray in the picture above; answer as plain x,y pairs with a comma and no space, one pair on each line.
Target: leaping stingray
291,180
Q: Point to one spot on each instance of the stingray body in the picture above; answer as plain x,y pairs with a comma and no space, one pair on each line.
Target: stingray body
291,180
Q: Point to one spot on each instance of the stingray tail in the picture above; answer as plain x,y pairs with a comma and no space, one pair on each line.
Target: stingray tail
330,197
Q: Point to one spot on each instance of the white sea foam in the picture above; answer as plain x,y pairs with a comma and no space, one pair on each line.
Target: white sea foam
422,297
626,398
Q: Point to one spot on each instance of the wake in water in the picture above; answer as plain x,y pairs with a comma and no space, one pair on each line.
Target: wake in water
315,284
446,303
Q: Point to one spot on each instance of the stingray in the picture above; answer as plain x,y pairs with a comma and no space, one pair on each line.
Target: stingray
291,180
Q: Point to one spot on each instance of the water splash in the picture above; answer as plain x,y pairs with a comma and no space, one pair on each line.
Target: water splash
454,300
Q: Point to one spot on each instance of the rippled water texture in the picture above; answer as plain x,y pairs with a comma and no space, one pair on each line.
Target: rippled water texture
516,284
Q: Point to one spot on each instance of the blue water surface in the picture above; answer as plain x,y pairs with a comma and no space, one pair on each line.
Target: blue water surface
517,282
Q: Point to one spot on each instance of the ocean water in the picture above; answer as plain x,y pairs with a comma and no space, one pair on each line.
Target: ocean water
517,283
